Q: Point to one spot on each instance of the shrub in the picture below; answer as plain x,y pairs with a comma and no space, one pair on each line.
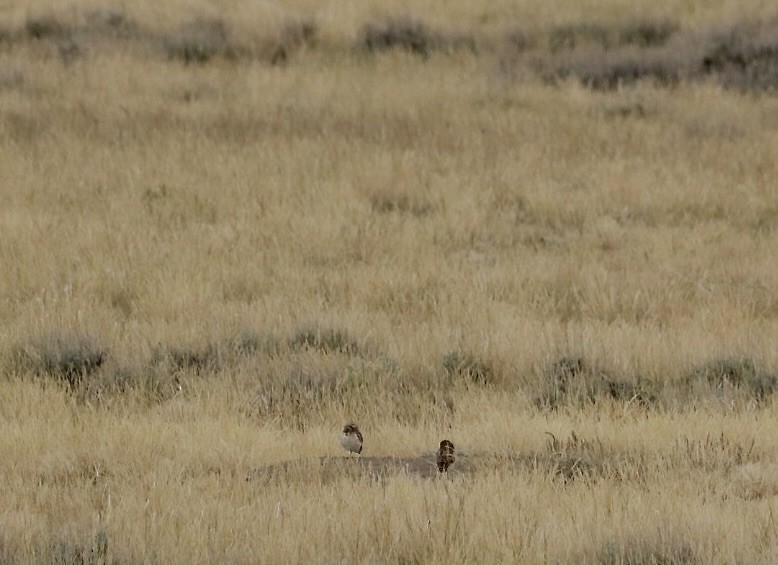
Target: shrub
647,33
567,378
44,27
738,372
200,41
64,355
571,380
398,33
520,41
744,60
608,71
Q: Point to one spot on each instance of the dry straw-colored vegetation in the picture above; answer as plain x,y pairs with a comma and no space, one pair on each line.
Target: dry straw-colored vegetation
545,231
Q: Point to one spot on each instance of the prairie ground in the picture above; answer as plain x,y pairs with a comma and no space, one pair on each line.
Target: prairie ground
549,235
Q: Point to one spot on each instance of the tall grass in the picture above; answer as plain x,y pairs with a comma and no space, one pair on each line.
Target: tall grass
226,233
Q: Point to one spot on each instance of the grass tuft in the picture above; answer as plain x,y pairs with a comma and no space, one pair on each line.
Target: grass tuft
294,36
656,549
249,342
715,452
296,396
736,370
67,551
385,202
576,457
10,78
181,358
150,384
465,366
325,341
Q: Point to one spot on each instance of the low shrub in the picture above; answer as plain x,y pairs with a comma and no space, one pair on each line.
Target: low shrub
398,33
200,41
64,355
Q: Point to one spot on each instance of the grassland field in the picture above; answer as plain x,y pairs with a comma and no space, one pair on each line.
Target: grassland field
545,231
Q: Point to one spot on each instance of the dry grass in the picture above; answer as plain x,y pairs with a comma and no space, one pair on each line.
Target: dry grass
225,233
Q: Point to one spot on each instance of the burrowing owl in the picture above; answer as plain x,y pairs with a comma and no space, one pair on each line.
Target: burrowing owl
445,455
351,439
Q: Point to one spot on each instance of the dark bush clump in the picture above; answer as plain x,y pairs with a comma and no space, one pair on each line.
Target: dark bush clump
44,27
738,372
201,41
610,71
399,33
520,41
570,380
745,61
66,356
